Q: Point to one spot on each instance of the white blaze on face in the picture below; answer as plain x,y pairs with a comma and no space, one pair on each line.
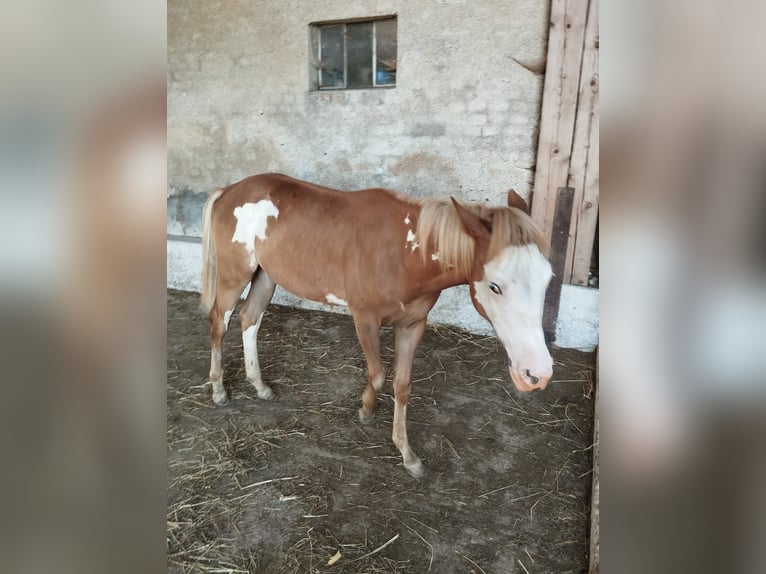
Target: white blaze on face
521,274
252,221
334,300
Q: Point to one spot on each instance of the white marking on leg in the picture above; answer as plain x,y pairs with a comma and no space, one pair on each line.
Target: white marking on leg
250,343
377,382
252,367
409,458
216,377
333,300
226,317
252,222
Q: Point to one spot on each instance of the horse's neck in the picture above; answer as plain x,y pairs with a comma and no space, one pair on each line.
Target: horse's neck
438,277
451,278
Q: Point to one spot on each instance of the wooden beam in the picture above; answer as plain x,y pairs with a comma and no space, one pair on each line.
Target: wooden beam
583,169
559,240
562,75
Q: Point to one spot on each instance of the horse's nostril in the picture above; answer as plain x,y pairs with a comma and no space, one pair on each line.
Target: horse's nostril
531,377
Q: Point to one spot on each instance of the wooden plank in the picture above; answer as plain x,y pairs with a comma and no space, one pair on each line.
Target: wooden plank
562,75
583,169
559,240
588,215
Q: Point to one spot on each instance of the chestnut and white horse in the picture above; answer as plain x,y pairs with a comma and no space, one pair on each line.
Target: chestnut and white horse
385,256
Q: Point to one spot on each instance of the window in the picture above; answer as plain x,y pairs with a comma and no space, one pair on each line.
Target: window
358,54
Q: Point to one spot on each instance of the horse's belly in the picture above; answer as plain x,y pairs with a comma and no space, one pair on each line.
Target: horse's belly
323,283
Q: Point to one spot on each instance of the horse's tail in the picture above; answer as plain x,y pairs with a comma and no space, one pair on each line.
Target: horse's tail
209,266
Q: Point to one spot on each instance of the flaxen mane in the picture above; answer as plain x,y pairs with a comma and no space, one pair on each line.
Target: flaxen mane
441,231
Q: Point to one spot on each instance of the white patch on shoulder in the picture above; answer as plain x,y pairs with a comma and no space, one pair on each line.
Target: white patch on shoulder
411,243
407,219
252,222
333,300
434,257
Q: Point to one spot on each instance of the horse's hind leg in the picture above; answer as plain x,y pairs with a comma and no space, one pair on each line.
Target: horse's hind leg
251,313
225,301
368,333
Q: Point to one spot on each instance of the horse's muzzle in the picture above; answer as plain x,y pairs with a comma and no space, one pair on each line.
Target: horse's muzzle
526,381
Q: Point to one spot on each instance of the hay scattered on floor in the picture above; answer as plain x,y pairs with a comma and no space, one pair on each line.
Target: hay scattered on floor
237,503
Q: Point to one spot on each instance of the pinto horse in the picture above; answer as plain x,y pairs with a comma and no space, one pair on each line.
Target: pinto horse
386,257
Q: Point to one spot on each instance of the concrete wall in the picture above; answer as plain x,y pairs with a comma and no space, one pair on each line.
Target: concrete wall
462,119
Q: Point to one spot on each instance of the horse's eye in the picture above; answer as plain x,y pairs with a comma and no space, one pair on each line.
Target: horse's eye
495,288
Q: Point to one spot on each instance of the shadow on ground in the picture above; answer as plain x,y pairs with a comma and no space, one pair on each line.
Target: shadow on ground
288,485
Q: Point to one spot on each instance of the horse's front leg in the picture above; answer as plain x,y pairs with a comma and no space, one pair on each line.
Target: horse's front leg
407,338
368,333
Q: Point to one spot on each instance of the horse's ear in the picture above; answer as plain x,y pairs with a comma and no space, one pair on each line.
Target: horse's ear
515,200
477,226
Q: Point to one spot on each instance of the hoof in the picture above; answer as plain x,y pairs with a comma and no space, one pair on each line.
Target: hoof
265,394
416,469
366,419
221,400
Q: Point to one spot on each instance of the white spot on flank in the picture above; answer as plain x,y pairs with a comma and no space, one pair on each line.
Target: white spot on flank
411,240
333,300
252,221
407,219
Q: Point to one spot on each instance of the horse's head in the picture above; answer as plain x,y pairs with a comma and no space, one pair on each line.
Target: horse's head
508,283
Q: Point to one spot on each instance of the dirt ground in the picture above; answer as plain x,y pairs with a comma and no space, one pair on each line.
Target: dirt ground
290,485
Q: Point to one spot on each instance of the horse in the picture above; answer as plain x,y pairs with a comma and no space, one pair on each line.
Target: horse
386,257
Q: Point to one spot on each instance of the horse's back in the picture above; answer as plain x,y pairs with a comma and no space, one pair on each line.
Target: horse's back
314,205
317,242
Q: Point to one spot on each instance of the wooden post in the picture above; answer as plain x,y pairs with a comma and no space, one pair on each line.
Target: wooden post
583,169
559,241
557,119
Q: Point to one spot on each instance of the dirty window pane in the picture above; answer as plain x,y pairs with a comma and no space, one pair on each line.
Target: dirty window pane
353,54
331,57
359,55
385,36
